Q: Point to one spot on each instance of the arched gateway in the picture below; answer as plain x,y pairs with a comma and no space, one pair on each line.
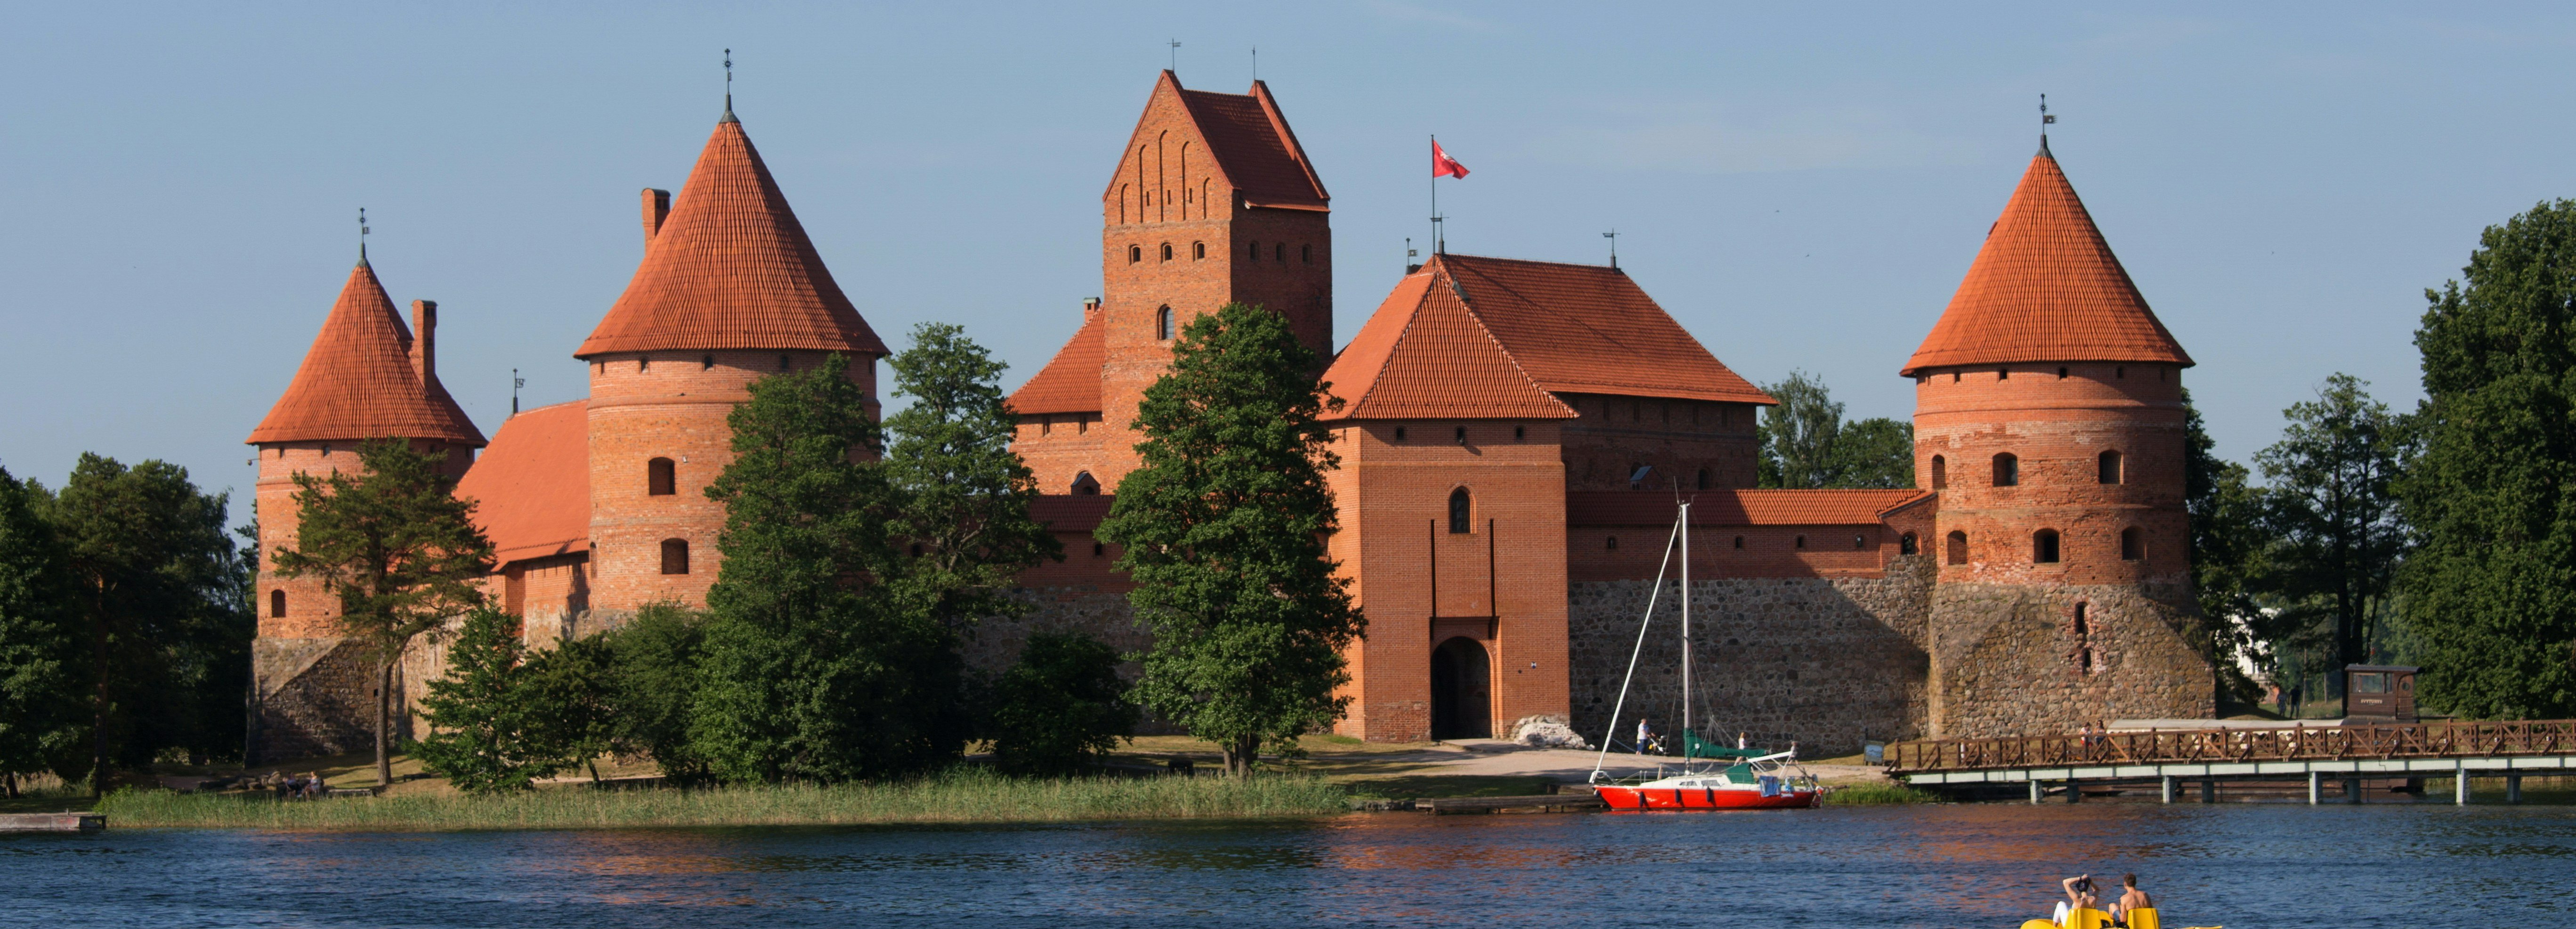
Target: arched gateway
1461,691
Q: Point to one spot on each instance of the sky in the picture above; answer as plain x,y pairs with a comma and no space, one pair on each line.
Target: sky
1802,188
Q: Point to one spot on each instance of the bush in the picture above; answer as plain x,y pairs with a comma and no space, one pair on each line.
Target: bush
1060,706
653,687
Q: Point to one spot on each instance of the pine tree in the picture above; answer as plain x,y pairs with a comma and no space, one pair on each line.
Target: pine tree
1223,527
40,646
810,672
399,550
965,494
2492,497
2331,511
486,735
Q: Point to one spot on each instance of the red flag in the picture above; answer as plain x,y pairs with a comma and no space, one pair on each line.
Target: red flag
1444,166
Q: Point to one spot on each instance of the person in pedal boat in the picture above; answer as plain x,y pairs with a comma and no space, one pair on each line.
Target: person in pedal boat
2079,896
2131,899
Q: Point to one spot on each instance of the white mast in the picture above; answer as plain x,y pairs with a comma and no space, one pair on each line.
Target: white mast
1684,531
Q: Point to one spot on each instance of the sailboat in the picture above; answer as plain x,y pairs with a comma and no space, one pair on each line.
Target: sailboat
1712,777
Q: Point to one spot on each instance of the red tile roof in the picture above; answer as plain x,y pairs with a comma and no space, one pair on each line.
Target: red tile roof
1070,382
1588,329
2046,288
1255,151
357,381
1424,355
1739,507
731,268
533,484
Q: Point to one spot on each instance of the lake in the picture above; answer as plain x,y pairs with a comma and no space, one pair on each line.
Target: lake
2244,866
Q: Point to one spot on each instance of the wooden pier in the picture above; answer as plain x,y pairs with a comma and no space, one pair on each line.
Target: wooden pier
52,822
2169,759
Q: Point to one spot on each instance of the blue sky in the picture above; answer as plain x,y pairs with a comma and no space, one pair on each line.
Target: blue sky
1801,189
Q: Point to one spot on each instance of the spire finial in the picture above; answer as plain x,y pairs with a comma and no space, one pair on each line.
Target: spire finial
1613,236
728,66
362,235
2045,118
1176,55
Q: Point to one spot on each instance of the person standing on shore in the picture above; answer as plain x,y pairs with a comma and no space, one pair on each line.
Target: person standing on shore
1644,734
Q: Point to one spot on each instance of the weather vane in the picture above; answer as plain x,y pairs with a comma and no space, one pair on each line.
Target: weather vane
1176,56
362,234
516,382
1613,236
728,81
2044,118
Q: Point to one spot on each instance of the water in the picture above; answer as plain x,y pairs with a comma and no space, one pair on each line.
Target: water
1975,865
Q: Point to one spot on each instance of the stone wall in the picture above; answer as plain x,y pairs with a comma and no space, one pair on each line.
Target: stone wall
2015,659
1824,662
316,697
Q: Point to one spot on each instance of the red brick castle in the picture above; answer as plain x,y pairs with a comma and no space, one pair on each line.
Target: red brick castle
1506,425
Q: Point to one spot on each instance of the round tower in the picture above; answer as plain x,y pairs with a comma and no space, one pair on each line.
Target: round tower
730,291
2049,418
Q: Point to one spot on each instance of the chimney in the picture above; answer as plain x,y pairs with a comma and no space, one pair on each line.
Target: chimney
657,207
424,343
1090,308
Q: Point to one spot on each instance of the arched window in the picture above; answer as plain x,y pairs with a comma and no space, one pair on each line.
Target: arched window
1905,544
2043,547
675,556
1802,542
1167,251
2107,468
2133,544
1958,548
707,363
661,479
1084,485
2007,470
1135,253
1739,541
1163,323
1940,472
1098,549
1252,251
784,363
1612,544
1198,250
276,604
1860,542
1703,479
1460,512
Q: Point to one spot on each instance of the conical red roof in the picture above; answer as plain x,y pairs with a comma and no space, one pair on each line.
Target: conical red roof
2046,288
1425,354
357,381
731,268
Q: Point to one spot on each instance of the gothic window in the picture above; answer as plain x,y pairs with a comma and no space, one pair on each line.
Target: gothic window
1084,485
2043,547
2107,468
2133,544
1958,548
2007,470
1135,253
675,556
277,604
1940,472
1198,250
660,478
1460,512
1163,323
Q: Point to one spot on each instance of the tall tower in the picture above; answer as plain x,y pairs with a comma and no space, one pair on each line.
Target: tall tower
1213,202
730,291
2049,418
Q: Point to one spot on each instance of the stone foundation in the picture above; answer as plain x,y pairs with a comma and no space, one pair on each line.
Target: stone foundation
2013,659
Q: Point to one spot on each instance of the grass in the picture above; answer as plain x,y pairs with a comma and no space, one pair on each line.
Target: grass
960,796
1880,794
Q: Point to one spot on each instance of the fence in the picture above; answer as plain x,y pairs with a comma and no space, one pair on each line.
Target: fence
2440,739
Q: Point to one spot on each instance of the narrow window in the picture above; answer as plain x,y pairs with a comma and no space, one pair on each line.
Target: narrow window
2121,371
1097,549
1462,435
326,451
707,363
1519,433
2043,547
660,479
1905,544
1198,250
675,556
1279,251
643,364
2081,628
1252,251
2133,544
1612,544
277,604
1459,522
1958,545
784,364
1739,541
1860,542
1306,253
1802,542
1940,473
1703,479
2107,468
1954,377
1399,433
2007,470
1135,253
1084,485
1167,251
2084,659
2061,372
2003,374
1163,323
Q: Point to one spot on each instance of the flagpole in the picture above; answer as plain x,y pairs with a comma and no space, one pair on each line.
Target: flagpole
1439,243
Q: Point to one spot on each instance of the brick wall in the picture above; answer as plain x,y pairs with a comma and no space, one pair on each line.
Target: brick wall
1678,438
310,610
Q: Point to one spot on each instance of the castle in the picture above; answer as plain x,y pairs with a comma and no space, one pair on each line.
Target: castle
1500,419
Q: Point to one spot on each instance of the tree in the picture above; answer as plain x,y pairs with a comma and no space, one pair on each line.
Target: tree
1224,528
2228,547
653,687
398,548
568,694
486,736
156,578
811,674
1060,706
1805,443
2331,509
40,644
2492,496
965,494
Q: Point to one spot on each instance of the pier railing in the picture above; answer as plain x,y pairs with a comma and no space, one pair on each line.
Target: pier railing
2437,739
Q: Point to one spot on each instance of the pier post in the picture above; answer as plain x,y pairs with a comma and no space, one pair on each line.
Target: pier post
2316,782
2208,790
2074,794
2352,790
2035,791
2166,785
2513,788
2460,782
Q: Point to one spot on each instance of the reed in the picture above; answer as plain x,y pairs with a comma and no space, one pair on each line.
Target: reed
1878,795
960,796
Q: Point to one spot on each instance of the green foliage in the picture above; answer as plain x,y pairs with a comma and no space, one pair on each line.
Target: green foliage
806,676
569,696
2332,515
2492,496
2228,547
653,687
1060,706
41,659
965,494
157,583
1223,527
485,737
1805,442
397,548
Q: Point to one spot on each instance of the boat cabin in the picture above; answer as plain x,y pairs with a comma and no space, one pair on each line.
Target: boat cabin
2379,693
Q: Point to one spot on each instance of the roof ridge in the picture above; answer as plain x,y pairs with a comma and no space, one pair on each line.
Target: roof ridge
1509,356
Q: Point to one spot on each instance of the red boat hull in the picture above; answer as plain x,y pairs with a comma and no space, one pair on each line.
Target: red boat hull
1701,798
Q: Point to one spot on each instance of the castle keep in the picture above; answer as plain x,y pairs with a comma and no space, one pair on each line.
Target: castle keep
1513,437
